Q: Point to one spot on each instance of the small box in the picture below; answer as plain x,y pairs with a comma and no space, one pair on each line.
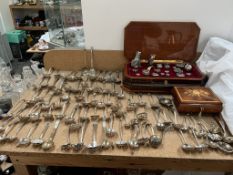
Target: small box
195,99
16,36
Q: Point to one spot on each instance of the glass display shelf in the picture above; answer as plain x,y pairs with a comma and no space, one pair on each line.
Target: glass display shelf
65,23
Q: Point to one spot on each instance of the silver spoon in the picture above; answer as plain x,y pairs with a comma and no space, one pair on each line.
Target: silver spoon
199,147
225,147
8,129
39,141
133,143
110,132
121,143
156,112
142,140
67,146
79,146
94,146
106,144
154,140
185,146
14,137
49,144
4,124
27,140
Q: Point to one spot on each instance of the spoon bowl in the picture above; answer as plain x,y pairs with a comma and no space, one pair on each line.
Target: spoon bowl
187,147
78,146
37,142
133,144
47,145
66,147
23,142
122,144
106,145
155,141
110,132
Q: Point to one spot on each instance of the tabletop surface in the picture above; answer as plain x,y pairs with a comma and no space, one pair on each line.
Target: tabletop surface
170,149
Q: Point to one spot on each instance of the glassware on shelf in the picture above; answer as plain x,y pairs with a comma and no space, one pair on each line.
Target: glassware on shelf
65,22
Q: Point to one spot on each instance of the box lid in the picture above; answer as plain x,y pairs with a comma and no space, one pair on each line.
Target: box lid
195,95
168,40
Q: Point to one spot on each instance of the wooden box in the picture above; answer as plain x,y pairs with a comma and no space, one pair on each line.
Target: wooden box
173,43
195,99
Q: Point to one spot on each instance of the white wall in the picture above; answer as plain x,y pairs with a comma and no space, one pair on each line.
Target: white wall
104,20
6,22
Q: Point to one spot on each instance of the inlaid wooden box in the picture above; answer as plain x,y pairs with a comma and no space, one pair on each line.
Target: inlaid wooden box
195,99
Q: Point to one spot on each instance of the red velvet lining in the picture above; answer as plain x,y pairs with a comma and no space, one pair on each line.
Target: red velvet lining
195,73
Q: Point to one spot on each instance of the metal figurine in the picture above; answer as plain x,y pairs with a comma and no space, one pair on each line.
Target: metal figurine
136,62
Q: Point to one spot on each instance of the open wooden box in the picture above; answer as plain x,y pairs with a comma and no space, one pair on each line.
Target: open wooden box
173,43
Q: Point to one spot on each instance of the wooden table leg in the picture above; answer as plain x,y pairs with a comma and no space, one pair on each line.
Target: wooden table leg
21,169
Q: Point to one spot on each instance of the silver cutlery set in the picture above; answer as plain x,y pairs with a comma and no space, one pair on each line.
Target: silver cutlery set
92,106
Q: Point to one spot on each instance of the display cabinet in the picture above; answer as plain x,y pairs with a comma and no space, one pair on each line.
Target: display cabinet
64,22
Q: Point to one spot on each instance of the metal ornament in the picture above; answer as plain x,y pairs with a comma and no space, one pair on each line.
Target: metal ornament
136,62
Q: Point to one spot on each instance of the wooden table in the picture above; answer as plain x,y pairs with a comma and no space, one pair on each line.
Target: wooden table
168,156
34,49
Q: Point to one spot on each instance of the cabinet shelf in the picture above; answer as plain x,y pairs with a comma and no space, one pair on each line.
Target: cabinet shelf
18,11
31,28
29,7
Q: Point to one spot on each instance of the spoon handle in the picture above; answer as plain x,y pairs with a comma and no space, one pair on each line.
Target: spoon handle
121,129
56,125
83,130
61,83
95,126
44,130
111,121
73,112
8,129
64,108
68,136
183,140
195,137
19,128
32,129
152,130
